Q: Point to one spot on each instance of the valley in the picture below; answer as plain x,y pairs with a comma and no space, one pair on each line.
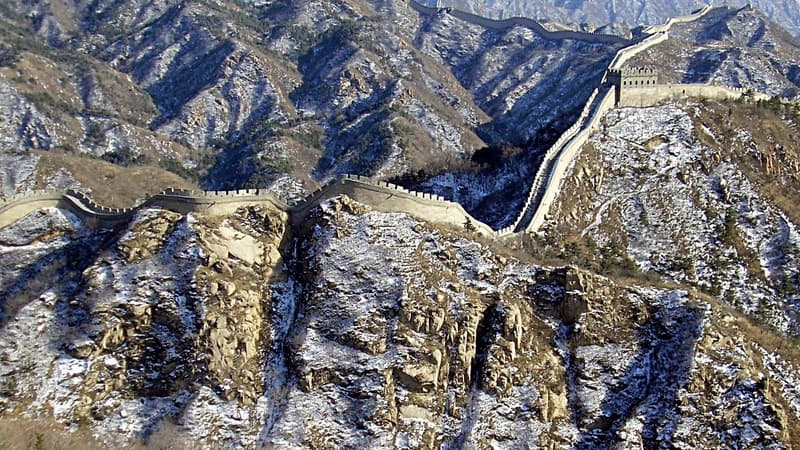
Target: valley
350,224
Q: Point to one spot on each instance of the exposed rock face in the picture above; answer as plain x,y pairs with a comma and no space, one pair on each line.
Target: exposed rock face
425,329
142,321
369,330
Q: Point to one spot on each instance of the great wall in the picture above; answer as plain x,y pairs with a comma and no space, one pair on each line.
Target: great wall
524,22
380,195
388,197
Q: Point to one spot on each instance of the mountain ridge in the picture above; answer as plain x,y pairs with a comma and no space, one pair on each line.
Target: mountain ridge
630,14
656,305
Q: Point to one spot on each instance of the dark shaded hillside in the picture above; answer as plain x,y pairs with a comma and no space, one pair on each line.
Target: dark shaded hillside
281,94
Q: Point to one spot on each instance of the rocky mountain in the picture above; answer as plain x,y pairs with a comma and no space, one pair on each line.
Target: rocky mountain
242,96
366,329
594,14
692,193
657,308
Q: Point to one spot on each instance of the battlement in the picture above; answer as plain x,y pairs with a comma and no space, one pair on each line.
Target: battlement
633,77
634,72
378,194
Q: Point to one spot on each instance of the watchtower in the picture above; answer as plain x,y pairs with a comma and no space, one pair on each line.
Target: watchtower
632,79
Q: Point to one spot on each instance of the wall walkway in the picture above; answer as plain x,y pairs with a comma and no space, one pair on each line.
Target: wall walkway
565,158
679,19
380,195
392,198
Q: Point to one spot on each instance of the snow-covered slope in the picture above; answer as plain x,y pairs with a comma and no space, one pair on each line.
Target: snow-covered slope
695,193
374,330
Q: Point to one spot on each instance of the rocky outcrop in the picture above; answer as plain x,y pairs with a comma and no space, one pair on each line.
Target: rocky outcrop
369,329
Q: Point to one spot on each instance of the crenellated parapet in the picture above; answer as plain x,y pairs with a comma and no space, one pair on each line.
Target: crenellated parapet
87,203
378,194
389,197
633,77
394,187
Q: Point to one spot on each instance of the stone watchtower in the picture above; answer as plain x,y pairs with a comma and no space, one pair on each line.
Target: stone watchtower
623,79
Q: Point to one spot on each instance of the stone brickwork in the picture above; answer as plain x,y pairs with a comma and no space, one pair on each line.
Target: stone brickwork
641,96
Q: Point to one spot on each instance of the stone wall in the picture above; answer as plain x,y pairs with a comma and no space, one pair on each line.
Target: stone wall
624,54
680,19
379,195
536,188
565,159
525,22
652,95
389,197
657,35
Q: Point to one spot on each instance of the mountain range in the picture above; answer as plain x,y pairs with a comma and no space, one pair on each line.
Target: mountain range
655,306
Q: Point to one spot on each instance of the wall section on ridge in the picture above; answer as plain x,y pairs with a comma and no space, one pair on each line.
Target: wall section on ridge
565,160
387,197
378,195
652,95
495,24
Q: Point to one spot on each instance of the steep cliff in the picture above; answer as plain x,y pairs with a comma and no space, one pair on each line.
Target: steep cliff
366,329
